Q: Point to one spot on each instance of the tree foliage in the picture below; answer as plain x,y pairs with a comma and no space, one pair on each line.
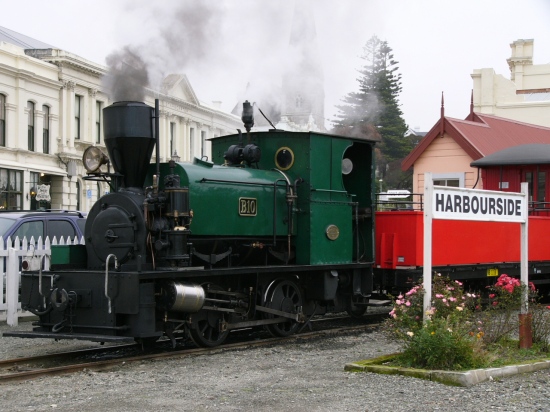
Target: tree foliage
373,111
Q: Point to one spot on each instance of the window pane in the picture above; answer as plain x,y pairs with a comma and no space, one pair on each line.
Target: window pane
98,123
30,122
60,229
77,117
529,180
2,120
2,107
30,107
541,193
46,130
30,229
447,182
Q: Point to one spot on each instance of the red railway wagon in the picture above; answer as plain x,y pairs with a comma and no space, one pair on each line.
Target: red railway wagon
473,252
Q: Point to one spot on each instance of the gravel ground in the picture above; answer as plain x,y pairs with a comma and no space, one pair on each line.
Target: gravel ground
299,376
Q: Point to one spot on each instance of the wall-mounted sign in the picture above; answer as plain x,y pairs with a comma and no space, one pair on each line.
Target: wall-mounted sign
43,193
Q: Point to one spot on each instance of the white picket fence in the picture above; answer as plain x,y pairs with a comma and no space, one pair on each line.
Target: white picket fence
36,253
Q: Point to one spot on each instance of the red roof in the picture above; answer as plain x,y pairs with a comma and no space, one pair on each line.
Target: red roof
480,135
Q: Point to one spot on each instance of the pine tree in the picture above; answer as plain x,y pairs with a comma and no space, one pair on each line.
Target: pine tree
374,112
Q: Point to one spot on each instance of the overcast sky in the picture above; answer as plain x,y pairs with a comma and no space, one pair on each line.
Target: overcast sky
224,43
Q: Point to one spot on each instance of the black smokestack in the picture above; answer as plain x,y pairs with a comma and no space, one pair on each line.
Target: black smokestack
129,137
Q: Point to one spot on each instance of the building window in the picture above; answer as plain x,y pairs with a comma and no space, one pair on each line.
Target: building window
541,195
191,143
30,123
2,120
447,182
448,179
203,143
11,193
46,130
78,194
98,122
537,189
172,138
77,104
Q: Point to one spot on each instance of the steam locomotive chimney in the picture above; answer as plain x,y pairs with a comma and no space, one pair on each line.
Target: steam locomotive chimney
130,140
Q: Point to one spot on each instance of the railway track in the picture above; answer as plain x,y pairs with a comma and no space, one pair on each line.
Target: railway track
106,358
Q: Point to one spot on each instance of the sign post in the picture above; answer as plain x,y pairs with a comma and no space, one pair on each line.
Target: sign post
442,202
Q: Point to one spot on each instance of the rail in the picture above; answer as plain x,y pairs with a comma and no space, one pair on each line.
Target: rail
386,202
11,254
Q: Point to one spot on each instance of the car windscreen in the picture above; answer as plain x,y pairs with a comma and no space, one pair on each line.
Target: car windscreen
5,224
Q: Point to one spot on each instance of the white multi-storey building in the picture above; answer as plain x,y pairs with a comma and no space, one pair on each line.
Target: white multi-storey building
524,97
51,105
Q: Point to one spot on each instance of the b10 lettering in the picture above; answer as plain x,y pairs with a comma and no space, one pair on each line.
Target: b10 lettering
248,206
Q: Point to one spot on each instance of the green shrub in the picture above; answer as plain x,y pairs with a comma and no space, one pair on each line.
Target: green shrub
540,326
437,346
449,339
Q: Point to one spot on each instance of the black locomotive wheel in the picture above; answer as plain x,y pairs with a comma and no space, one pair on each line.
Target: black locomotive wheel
355,311
205,329
283,295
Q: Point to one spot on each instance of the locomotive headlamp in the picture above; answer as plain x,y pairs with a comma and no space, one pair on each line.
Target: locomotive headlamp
93,158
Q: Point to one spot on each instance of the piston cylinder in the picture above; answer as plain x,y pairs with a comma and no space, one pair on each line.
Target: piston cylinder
181,297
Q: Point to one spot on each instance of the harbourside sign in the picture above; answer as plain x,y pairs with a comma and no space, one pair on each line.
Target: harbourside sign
453,203
471,204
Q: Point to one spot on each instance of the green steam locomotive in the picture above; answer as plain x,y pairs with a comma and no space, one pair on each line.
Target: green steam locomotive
275,229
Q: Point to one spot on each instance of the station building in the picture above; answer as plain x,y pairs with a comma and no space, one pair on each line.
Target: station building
506,115
51,105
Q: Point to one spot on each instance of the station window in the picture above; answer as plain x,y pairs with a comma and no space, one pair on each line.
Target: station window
30,125
77,104
203,143
537,190
98,122
172,138
46,130
2,120
447,182
191,142
11,186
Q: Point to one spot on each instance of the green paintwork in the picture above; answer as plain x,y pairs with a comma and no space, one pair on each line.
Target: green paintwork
325,196
68,255
214,193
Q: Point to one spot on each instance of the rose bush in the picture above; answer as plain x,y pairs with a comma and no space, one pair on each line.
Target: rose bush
449,339
500,316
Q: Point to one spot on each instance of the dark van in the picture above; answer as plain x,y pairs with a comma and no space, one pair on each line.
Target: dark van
42,223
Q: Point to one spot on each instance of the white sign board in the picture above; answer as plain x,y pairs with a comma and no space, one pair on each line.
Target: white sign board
398,194
442,202
470,204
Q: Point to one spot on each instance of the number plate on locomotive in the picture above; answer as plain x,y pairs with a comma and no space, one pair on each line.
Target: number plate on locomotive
248,206
492,272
